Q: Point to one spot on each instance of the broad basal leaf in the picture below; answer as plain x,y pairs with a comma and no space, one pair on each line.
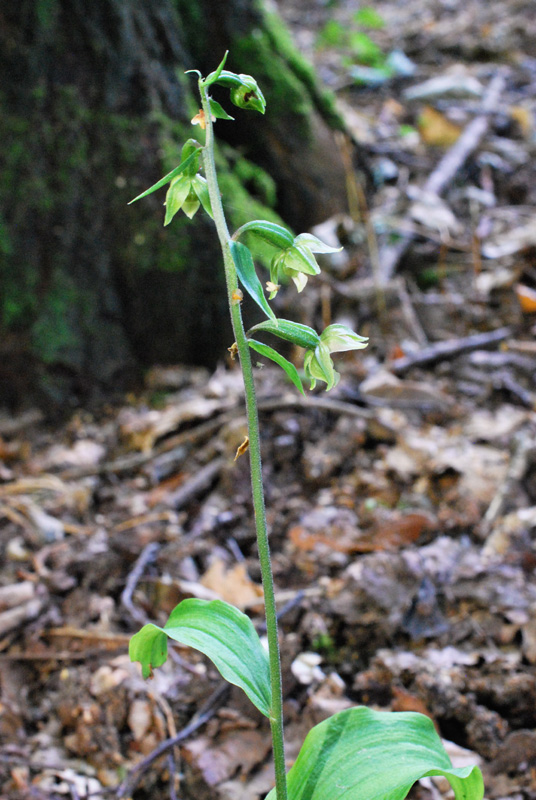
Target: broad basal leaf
293,332
360,754
289,368
221,632
248,277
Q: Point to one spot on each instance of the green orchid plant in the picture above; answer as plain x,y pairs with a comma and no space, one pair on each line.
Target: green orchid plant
359,753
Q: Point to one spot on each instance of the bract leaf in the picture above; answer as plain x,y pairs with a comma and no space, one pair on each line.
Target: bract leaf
289,368
361,754
248,277
314,244
293,332
268,231
183,166
218,111
213,77
221,632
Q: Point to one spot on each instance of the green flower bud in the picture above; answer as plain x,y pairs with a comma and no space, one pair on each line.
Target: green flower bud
248,95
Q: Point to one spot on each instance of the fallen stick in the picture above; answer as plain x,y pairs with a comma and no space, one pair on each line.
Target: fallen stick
439,351
147,556
213,703
523,446
447,168
18,616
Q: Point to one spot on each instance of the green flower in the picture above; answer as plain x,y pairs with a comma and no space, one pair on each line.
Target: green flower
187,192
318,364
297,261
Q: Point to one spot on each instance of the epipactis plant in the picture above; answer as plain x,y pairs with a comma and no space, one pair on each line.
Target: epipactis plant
359,753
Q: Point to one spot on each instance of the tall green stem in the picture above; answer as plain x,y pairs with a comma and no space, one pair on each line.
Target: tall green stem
276,716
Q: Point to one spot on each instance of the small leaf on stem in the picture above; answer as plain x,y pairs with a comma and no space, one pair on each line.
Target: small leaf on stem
269,352
247,275
217,111
221,632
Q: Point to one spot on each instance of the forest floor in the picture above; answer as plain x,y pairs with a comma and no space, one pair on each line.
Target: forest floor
402,506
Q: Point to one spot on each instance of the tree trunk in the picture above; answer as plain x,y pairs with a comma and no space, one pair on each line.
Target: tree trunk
95,107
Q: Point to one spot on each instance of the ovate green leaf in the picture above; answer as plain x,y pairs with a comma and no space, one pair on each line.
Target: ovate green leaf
293,332
218,111
248,277
221,632
289,368
360,754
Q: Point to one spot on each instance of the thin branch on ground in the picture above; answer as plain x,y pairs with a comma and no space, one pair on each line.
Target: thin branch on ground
448,167
207,711
440,351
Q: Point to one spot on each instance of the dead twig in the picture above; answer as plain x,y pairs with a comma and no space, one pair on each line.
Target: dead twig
523,446
439,351
136,460
147,556
9,426
322,403
216,699
197,484
18,616
447,168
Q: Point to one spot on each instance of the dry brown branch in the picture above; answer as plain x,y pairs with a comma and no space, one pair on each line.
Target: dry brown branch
439,351
447,168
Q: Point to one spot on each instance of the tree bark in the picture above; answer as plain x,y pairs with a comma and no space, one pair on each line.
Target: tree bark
94,107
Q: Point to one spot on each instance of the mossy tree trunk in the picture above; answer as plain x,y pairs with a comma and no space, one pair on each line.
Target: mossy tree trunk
94,107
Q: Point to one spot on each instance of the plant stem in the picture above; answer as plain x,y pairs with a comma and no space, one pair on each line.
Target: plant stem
276,716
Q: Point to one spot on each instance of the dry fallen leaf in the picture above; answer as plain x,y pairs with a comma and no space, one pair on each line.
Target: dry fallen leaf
435,129
233,585
527,298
